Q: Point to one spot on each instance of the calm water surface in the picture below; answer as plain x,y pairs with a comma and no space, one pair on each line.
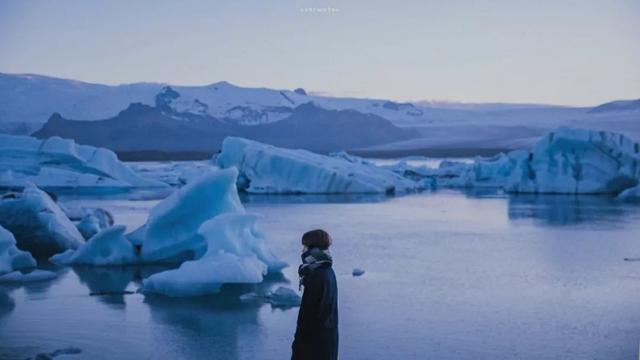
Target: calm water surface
448,275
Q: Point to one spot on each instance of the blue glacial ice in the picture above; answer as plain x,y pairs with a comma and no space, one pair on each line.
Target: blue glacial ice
206,222
171,231
61,163
236,253
565,161
38,223
108,247
11,258
266,169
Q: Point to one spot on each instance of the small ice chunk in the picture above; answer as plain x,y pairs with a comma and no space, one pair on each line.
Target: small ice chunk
108,247
35,275
357,272
10,257
38,223
284,297
250,297
88,226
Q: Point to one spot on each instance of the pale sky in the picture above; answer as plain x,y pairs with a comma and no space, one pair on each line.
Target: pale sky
559,52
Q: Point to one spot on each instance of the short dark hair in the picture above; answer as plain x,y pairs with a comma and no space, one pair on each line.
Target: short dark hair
317,238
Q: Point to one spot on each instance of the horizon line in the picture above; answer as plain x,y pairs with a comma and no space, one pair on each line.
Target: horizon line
320,93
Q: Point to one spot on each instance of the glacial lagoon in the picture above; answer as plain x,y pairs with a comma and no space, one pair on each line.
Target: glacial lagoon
447,275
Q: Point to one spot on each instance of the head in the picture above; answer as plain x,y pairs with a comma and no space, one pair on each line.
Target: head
318,238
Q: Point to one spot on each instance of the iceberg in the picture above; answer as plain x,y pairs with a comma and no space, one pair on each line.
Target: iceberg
266,169
11,258
57,163
38,223
206,221
236,253
565,161
171,232
108,247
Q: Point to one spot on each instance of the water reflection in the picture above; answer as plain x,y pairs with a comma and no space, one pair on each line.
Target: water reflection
109,283
7,304
567,209
207,326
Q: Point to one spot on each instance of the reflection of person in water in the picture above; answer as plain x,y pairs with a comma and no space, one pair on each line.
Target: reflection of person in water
317,331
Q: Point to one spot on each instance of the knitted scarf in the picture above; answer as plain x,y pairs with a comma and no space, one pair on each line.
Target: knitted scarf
311,260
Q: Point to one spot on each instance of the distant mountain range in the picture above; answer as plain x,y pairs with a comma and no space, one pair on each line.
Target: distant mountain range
142,129
33,98
157,118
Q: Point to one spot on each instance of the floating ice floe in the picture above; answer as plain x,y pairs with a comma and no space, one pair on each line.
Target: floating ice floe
57,163
284,297
357,272
22,277
38,223
565,161
11,258
204,221
236,253
266,169
108,247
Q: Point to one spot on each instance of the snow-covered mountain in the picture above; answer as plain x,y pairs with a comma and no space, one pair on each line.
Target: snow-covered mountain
144,128
33,98
27,101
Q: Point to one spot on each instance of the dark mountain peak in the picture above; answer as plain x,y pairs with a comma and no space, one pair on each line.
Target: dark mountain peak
300,91
165,98
135,109
55,117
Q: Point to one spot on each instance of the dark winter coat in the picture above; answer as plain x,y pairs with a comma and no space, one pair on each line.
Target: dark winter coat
316,335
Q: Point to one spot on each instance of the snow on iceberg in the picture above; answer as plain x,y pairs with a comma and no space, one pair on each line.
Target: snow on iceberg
565,161
61,163
171,232
10,257
38,223
267,169
236,253
108,247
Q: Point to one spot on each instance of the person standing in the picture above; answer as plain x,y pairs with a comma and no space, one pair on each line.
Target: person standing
316,336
